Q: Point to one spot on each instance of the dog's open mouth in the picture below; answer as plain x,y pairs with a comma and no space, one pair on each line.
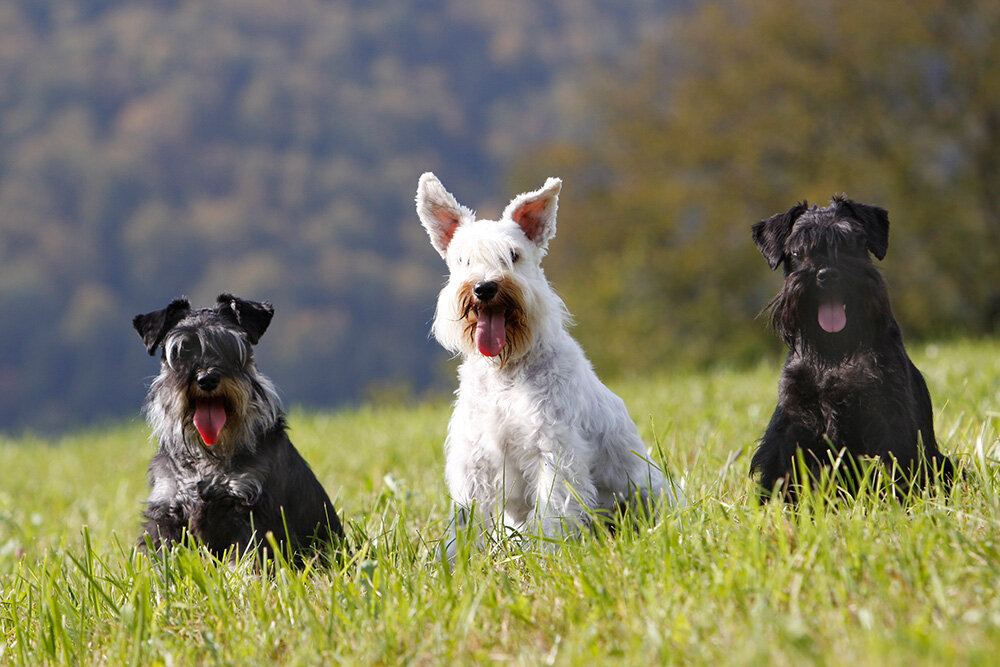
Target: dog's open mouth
209,418
491,331
832,314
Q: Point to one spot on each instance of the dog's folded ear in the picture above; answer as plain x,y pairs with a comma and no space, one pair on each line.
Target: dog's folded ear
439,212
770,235
153,327
252,316
535,212
874,219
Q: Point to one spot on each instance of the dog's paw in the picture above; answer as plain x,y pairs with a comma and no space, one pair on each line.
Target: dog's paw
210,489
246,489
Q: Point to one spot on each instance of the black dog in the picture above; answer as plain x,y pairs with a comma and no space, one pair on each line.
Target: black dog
226,472
848,388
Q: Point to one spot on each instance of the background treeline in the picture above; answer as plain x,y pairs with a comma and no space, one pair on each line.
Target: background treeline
272,149
741,109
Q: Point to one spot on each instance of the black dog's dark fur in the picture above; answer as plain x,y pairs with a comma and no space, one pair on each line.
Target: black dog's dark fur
230,494
850,393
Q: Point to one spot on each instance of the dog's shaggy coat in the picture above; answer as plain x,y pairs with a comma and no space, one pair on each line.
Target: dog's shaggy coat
848,388
226,472
535,440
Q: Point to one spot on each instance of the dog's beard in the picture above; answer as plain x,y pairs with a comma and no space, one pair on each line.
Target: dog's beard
211,413
230,419
498,328
831,321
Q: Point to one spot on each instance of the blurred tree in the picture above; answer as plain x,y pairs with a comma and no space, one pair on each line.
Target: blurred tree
740,110
271,149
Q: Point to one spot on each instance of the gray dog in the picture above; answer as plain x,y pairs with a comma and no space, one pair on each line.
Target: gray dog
226,472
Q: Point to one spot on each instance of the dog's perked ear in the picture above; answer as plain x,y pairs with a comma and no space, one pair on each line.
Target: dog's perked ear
770,235
252,316
439,212
535,212
153,327
874,219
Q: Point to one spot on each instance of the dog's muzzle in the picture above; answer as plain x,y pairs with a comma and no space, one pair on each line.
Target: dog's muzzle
832,313
209,411
208,381
486,290
827,277
491,323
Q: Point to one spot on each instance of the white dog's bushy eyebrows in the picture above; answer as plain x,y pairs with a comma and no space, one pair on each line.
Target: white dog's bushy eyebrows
485,244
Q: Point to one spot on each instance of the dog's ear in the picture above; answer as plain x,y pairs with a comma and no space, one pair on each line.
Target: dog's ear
252,316
874,219
770,235
535,212
439,212
153,327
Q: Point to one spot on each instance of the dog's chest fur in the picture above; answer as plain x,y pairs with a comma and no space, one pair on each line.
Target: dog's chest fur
548,407
847,401
185,481
512,404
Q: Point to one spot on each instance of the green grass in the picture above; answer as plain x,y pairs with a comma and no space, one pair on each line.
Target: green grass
721,581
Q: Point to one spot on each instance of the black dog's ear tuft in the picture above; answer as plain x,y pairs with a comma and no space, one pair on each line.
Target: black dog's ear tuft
874,219
153,327
253,316
770,234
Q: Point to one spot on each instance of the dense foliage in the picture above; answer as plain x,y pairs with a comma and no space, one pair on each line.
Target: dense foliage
741,110
270,149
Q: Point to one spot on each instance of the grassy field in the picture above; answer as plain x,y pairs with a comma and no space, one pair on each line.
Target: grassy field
720,581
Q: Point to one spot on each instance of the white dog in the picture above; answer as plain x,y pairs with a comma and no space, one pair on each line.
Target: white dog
535,438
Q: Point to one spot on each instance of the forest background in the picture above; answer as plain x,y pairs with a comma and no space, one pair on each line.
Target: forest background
272,149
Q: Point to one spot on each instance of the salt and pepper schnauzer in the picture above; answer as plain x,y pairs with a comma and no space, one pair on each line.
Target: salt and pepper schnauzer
848,388
535,438
226,472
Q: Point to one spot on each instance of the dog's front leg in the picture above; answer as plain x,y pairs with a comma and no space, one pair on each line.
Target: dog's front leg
563,493
165,524
467,525
775,458
472,481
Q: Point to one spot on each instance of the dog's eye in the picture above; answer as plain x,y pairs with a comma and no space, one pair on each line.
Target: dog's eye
183,351
514,256
796,255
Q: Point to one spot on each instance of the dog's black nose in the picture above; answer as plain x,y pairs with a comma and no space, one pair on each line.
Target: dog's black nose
209,380
827,276
486,290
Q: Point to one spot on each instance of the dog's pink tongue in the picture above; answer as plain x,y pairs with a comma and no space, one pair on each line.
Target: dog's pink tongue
832,316
491,333
209,418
